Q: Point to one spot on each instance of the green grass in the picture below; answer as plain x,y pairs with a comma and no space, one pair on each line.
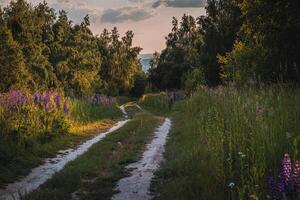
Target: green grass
157,103
86,120
95,174
125,99
85,112
225,136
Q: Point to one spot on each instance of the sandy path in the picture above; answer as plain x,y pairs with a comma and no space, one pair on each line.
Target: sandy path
137,185
41,174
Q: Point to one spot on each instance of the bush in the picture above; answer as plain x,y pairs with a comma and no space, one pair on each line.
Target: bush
193,79
140,81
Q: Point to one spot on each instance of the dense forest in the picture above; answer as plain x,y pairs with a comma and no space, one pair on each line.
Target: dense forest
238,41
40,50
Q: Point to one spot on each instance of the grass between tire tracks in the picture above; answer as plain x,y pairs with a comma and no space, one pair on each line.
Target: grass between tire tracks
94,175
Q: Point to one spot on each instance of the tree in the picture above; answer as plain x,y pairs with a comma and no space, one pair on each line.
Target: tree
12,64
58,54
180,56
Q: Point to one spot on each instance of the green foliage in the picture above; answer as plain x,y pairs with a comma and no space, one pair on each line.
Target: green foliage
225,136
277,31
180,56
28,133
193,80
156,102
140,82
120,62
83,112
243,64
12,68
47,51
237,41
220,27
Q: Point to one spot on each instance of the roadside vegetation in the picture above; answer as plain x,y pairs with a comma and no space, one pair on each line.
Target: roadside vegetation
95,174
36,126
228,144
156,102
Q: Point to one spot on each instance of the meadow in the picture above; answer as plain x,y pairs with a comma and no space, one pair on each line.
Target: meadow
37,126
228,143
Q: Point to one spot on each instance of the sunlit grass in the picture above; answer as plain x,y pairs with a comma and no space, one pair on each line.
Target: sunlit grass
156,102
86,119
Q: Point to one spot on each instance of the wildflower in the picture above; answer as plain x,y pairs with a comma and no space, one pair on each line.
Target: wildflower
273,189
47,98
57,99
231,184
241,154
288,184
285,172
296,177
15,98
66,108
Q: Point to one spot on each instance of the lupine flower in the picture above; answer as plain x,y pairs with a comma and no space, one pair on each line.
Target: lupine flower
15,98
46,99
57,99
285,172
296,177
66,108
273,189
287,186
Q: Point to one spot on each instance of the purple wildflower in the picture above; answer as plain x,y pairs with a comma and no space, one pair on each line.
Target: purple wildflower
66,108
285,173
15,98
57,99
271,186
47,98
296,178
274,189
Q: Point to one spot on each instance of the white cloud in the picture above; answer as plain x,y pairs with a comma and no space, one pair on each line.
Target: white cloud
126,14
180,3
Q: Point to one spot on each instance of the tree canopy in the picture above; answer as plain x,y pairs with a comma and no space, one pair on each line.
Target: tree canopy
41,49
238,41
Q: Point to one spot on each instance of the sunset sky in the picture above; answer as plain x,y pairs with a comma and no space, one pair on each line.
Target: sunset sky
149,19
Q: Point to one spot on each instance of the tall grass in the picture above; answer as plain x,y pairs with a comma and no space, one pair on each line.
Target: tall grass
226,142
84,112
157,103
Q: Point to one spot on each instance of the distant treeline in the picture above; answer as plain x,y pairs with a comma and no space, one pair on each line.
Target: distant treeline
42,50
238,41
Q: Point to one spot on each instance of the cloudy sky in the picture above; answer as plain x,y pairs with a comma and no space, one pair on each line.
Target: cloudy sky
149,19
